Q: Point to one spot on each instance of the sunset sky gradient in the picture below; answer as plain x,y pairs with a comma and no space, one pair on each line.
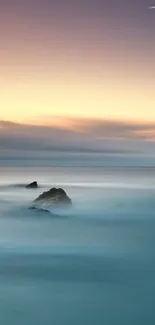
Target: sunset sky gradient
80,58
77,76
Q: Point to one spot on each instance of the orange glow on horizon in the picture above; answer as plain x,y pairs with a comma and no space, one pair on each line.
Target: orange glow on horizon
47,69
28,99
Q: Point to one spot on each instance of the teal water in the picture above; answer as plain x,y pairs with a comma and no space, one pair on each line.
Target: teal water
92,265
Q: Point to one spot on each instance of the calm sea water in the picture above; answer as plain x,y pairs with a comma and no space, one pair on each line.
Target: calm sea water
92,265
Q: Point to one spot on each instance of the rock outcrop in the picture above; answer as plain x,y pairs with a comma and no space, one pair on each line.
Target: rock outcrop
52,199
32,185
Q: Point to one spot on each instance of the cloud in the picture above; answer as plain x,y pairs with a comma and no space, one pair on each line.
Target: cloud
112,129
75,135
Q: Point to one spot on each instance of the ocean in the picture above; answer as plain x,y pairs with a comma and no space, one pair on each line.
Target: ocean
91,265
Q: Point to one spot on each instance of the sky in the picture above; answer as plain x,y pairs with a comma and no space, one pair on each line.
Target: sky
82,71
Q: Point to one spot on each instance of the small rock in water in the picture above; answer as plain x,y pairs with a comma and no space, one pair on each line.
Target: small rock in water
32,185
52,199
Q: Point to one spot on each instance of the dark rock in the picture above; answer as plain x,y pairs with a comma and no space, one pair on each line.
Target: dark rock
32,185
38,210
52,199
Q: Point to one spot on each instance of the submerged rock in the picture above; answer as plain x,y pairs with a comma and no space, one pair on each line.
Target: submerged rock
32,185
52,199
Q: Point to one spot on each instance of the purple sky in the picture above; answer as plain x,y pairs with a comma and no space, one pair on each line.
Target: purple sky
83,58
